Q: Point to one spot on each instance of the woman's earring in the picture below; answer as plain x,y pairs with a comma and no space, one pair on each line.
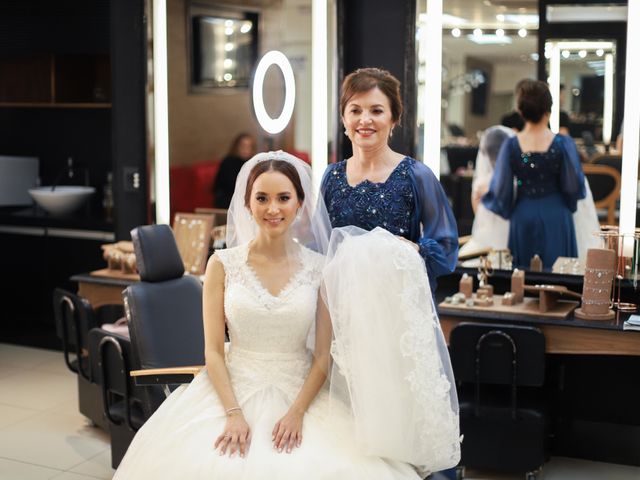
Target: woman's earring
345,133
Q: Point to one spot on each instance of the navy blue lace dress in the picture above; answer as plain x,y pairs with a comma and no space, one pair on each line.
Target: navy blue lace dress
540,205
410,203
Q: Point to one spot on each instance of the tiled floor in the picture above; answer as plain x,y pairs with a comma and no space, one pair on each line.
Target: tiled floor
42,435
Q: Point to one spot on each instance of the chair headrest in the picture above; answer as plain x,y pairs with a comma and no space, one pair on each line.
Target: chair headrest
157,253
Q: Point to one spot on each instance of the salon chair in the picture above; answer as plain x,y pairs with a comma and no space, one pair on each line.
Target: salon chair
74,318
604,182
499,371
111,362
608,159
164,312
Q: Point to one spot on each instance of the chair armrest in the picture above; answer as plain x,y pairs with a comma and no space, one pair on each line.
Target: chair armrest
163,376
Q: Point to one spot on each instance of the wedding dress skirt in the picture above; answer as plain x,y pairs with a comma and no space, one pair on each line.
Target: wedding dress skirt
268,362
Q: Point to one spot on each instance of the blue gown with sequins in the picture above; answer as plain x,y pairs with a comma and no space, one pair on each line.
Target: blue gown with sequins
538,192
410,203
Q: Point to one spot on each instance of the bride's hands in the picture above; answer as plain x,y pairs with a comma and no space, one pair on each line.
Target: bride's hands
235,437
288,431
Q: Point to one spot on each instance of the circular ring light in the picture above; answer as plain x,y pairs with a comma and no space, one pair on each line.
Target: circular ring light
274,125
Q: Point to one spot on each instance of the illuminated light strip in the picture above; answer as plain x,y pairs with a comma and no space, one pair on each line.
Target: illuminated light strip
319,87
607,119
274,125
554,87
432,39
585,45
161,112
631,132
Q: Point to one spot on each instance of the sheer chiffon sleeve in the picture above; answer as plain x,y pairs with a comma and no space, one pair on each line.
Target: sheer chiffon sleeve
436,229
499,198
571,174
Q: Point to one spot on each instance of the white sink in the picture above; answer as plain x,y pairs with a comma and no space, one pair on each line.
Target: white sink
63,199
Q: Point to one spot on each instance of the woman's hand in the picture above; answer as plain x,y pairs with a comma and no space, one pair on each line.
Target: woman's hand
415,246
287,433
235,437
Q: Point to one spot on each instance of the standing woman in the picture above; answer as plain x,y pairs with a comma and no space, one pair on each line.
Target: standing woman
378,187
548,183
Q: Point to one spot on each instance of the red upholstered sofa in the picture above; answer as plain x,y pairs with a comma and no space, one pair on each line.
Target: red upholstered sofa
192,185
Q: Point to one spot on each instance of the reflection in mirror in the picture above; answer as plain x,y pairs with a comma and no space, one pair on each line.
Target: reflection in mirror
486,50
223,47
581,79
212,50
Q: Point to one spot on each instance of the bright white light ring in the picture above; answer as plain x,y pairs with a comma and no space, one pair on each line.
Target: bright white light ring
274,125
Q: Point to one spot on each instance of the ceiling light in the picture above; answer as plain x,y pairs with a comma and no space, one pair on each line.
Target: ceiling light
522,32
477,32
585,45
566,53
228,23
228,47
228,31
500,32
599,52
246,27
455,32
586,13
582,53
500,17
521,19
489,39
452,20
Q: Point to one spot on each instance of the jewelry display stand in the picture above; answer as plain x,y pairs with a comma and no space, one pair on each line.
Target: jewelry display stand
547,303
596,290
626,248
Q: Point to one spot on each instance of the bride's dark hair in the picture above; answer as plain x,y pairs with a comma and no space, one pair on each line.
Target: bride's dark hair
279,166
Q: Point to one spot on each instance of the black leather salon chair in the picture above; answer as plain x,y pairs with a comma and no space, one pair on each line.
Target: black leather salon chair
499,371
164,309
164,313
111,361
75,317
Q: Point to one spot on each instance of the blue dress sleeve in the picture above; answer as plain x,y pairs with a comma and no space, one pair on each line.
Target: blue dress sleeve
437,236
571,174
499,198
325,182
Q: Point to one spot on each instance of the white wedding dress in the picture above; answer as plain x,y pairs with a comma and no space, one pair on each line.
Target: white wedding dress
268,361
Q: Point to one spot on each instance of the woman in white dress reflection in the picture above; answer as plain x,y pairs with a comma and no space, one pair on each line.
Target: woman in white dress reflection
262,408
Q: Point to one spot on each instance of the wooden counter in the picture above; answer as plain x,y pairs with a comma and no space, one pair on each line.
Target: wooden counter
570,336
103,287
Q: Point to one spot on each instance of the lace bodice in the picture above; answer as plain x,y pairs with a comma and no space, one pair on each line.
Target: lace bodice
268,333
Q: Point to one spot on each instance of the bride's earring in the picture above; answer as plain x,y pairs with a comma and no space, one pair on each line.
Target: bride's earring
346,134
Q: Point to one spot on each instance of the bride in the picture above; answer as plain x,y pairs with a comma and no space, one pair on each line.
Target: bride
273,404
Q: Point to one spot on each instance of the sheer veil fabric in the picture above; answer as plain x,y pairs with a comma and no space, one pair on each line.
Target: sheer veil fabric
391,368
391,363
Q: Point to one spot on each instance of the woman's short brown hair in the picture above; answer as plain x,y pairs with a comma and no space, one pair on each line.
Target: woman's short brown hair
274,165
533,99
365,79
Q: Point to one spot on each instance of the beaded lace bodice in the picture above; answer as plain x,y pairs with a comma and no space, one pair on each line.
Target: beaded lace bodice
369,204
538,173
268,333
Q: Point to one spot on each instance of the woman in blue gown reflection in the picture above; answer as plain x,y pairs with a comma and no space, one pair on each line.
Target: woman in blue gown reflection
378,187
537,183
